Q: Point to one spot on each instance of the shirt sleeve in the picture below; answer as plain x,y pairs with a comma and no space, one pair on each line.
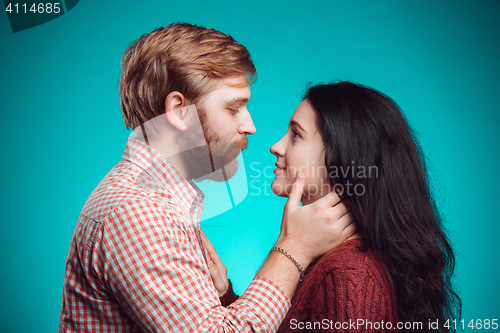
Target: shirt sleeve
148,261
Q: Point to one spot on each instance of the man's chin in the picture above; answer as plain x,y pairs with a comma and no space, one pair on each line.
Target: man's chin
223,174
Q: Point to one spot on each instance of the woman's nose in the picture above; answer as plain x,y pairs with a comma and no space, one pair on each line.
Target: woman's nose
278,149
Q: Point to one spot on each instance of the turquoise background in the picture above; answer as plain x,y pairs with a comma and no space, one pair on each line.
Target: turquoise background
62,128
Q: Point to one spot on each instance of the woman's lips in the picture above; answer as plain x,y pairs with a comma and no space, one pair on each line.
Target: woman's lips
278,168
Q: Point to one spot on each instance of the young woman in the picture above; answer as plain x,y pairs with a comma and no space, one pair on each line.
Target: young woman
398,267
395,273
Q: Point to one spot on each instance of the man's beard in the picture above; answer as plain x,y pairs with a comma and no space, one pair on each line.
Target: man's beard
215,158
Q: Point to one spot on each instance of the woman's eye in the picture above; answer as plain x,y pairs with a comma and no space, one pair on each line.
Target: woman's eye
296,134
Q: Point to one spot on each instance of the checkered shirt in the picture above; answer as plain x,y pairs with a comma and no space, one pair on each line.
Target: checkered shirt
136,262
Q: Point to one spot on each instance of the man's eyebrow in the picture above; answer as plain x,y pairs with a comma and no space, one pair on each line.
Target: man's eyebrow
294,123
239,100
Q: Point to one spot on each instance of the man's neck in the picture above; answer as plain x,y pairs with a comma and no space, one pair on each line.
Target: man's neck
165,147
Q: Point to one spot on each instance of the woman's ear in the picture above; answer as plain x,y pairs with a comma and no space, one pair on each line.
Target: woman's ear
174,104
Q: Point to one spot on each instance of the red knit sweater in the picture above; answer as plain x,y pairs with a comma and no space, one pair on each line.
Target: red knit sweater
339,290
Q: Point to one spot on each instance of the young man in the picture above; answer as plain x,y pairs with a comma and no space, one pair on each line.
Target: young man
137,262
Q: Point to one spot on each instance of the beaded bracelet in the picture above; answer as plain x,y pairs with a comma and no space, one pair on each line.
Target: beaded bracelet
279,249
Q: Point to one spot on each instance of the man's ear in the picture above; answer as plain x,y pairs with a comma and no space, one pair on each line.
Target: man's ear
176,116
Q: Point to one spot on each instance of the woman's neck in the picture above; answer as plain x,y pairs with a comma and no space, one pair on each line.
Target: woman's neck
309,199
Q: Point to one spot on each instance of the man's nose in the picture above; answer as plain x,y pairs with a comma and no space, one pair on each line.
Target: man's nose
246,126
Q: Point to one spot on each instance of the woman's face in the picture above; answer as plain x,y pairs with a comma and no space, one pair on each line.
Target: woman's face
301,149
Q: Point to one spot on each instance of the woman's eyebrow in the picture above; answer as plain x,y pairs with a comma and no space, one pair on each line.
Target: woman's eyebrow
294,123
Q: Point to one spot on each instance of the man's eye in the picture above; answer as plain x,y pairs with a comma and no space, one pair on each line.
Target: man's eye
233,111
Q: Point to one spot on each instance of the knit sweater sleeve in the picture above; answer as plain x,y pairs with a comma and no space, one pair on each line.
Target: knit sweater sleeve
347,290
352,300
229,297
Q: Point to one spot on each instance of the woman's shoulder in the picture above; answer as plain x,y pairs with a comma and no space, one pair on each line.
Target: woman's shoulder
349,254
347,282
352,258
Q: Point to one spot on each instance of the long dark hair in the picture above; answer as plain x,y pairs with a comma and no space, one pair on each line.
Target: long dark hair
389,196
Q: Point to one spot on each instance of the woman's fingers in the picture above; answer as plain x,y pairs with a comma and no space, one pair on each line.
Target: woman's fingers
217,269
208,245
219,282
210,249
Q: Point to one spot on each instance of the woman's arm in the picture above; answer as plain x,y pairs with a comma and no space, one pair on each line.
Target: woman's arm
354,300
345,291
229,297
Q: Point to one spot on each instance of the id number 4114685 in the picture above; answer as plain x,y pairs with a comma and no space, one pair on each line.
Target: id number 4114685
36,8
478,324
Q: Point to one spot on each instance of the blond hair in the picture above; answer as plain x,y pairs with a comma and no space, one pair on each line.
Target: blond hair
179,57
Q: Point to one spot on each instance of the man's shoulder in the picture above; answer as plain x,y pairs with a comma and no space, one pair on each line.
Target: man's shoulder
127,187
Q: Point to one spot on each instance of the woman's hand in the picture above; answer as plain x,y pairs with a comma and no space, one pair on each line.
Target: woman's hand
218,271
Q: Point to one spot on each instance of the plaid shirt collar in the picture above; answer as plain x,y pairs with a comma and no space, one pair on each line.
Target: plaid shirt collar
164,174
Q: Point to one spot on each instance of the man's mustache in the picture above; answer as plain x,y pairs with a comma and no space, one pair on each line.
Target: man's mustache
214,156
